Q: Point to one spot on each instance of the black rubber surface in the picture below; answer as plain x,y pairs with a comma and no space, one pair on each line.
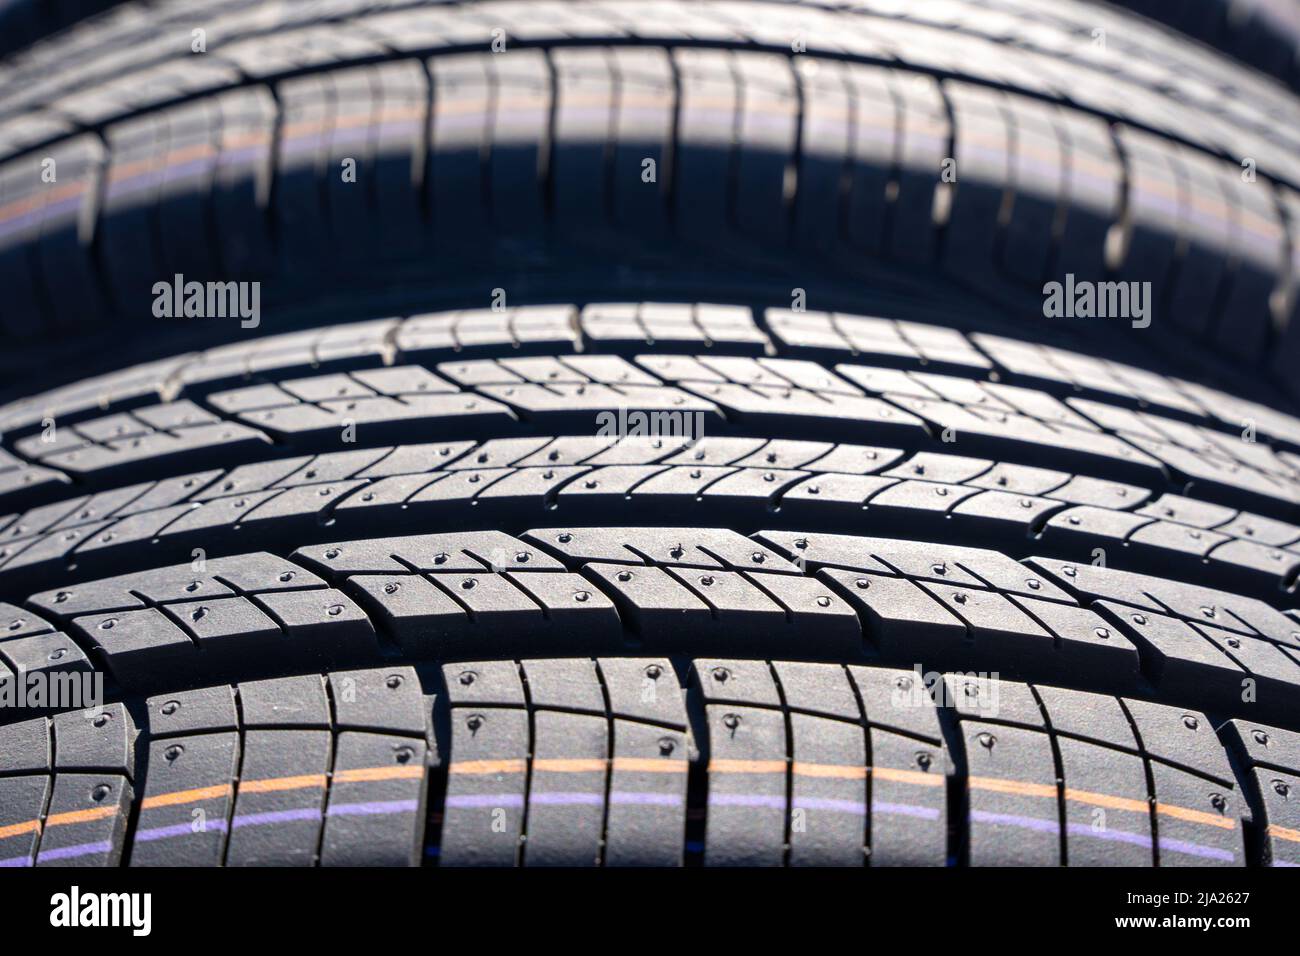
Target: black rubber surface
23,22
754,513
426,513
1126,162
638,761
1262,33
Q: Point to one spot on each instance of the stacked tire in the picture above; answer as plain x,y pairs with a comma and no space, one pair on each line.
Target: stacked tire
581,433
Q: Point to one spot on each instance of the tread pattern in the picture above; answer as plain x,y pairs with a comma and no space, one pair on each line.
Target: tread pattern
620,761
667,590
677,645
240,155
812,485
1033,447
636,330
1264,35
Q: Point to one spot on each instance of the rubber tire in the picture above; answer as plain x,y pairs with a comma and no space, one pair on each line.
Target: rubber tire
906,575
229,164
717,649
1258,33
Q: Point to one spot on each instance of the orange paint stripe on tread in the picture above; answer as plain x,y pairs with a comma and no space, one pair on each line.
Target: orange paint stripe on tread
908,776
80,816
1283,833
186,796
174,158
276,784
487,766
838,771
350,121
570,764
999,785
364,774
650,765
1107,800
18,829
1195,816
746,766
59,193
178,156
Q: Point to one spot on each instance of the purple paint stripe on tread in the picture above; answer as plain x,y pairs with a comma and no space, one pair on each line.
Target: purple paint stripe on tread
178,829
639,797
1015,820
372,808
560,798
904,809
81,849
468,800
855,807
1195,849
1119,836
274,816
746,800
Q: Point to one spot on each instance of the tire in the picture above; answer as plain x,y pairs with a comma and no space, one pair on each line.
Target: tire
23,22
1123,163
1264,35
407,551
759,516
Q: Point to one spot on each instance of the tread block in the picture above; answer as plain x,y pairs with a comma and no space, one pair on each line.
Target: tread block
1088,716
482,823
828,805
739,682
186,801
899,617
821,689
23,801
1107,807
279,804
420,616
1197,820
99,740
285,702
26,747
1013,794
643,690
383,700
322,626
1273,757
653,603
747,773
909,799
977,697
898,700
646,825
573,685
376,808
485,683
566,792
206,710
85,824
